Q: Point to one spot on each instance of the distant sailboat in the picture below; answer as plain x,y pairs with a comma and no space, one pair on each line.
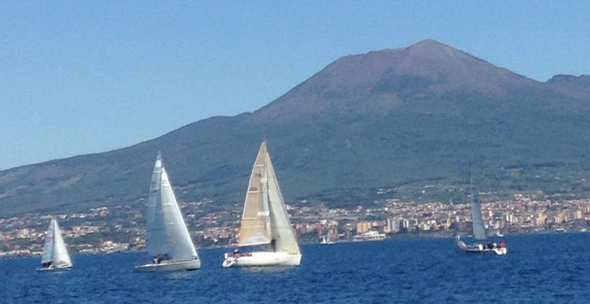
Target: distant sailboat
479,232
265,221
55,255
168,240
326,240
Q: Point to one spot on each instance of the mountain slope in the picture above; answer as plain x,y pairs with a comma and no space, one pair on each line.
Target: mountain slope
575,86
396,118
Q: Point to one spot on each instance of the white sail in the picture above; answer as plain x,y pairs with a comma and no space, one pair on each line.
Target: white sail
255,222
282,232
48,246
54,249
479,232
265,221
167,233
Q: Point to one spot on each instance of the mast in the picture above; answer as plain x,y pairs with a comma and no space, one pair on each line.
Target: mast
167,232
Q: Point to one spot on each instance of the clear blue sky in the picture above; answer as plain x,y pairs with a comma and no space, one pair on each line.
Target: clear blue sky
83,77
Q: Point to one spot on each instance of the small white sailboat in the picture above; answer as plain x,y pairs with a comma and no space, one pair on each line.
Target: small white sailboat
265,221
479,232
55,254
168,240
326,240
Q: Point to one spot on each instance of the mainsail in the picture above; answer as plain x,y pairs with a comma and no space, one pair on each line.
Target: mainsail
54,249
255,223
479,232
167,233
265,219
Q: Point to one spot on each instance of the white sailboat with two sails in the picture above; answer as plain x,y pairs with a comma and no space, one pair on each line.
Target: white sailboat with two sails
265,222
55,254
168,241
479,232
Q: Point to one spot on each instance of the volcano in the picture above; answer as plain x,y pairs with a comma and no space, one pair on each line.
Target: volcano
398,121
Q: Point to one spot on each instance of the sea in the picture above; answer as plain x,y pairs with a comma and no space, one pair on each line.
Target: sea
541,268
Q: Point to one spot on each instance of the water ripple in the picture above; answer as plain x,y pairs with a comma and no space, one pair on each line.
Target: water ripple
539,269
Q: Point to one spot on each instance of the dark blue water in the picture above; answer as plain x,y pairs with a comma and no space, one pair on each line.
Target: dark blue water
538,269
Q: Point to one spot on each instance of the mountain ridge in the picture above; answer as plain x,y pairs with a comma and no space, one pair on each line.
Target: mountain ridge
428,64
570,85
363,122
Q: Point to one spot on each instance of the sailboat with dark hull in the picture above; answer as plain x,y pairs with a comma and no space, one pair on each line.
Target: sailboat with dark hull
265,222
168,241
480,244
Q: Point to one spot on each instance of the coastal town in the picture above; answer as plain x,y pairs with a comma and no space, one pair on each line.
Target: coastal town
121,228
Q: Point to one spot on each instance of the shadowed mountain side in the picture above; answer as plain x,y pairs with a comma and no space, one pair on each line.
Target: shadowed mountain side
382,119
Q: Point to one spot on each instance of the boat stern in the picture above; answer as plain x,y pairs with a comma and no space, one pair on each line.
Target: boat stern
501,251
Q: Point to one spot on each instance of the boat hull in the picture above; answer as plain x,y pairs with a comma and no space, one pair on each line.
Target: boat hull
54,269
497,251
480,248
262,258
186,265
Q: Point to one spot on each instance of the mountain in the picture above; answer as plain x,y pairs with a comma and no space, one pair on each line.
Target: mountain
575,86
405,120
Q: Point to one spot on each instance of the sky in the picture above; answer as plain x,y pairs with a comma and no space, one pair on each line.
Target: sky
80,77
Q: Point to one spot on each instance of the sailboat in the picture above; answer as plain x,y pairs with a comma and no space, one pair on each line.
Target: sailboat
168,240
55,255
265,221
326,240
479,232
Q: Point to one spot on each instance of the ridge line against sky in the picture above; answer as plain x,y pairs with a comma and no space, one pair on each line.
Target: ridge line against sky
77,79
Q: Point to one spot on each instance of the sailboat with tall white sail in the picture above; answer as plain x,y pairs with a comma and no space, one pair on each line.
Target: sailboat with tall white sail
265,221
168,241
326,240
55,254
479,232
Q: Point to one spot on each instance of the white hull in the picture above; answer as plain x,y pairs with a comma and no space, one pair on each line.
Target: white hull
497,251
170,266
480,248
59,268
262,258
